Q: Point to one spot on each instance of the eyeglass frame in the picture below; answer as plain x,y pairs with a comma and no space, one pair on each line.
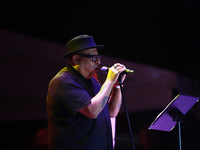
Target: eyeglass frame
94,57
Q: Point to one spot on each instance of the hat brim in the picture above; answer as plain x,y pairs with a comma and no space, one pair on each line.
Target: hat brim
98,47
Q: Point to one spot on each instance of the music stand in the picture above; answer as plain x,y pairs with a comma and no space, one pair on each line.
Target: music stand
173,114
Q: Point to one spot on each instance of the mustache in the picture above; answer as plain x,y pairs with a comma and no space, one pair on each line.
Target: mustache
96,66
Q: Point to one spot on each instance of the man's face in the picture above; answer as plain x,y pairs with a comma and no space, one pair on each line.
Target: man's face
87,66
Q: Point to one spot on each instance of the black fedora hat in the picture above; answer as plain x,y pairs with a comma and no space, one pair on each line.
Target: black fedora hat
79,43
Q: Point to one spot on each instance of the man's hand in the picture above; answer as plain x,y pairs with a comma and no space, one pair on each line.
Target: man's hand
114,72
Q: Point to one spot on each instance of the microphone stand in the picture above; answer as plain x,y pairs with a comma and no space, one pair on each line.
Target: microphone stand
126,111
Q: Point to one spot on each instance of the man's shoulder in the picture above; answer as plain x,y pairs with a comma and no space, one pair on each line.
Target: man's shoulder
64,76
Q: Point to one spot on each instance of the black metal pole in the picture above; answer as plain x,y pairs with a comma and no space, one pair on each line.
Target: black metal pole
179,131
126,111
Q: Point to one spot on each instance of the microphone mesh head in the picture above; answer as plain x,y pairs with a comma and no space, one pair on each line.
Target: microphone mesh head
104,69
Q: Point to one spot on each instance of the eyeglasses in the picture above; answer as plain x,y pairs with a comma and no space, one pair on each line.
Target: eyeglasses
94,57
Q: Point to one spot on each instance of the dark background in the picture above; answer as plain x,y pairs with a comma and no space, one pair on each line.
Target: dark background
159,33
163,34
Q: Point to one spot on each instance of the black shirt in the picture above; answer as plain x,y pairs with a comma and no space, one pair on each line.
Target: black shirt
68,92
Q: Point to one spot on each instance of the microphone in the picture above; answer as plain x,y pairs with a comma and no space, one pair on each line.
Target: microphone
105,69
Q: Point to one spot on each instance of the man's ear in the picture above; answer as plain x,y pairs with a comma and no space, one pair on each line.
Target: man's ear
75,59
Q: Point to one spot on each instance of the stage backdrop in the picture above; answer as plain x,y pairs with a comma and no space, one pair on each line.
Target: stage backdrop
28,64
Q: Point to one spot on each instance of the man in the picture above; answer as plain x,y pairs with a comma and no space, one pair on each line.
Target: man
79,109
